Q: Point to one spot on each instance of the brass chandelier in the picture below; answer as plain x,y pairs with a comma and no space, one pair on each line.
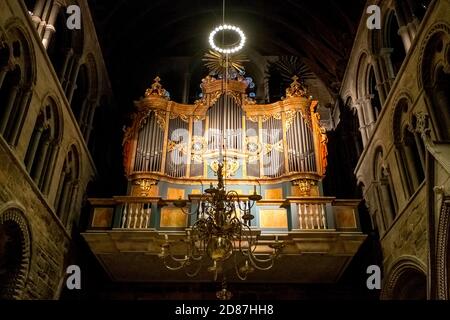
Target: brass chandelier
221,229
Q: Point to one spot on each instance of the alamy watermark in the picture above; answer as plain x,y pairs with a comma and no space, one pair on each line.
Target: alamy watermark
374,280
374,20
74,19
73,281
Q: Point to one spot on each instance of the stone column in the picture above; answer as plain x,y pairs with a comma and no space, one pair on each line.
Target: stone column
412,168
62,75
22,112
385,53
42,157
62,211
369,115
362,127
67,75
3,73
403,29
37,12
71,197
89,125
386,201
73,81
59,191
50,27
413,22
379,79
36,138
52,162
9,106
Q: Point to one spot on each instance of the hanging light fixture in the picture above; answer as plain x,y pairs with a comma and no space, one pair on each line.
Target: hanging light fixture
222,227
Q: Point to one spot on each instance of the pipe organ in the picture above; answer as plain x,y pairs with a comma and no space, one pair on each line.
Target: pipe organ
279,144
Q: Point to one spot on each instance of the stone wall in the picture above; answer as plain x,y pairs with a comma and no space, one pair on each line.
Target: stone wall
50,238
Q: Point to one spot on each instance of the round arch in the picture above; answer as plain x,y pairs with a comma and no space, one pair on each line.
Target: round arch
15,252
406,280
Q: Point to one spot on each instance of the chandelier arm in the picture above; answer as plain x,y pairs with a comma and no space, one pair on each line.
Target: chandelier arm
254,264
238,273
196,272
181,265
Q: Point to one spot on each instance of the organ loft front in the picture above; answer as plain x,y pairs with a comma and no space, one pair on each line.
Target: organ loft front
173,152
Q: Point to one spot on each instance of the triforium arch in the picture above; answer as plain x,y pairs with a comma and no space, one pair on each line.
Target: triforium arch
434,77
89,103
409,147
85,96
15,252
393,47
387,201
17,78
406,280
68,186
43,147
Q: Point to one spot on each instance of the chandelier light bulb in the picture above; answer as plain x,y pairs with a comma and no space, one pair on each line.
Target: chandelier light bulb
234,49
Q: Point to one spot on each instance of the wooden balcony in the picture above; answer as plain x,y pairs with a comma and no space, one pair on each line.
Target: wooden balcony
321,236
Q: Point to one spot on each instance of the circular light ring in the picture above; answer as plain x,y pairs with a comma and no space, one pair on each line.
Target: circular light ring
234,49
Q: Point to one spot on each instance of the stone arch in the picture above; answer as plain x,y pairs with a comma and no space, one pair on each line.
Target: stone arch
85,97
16,31
15,252
387,200
361,73
401,105
17,78
42,150
378,158
406,280
443,250
68,186
392,41
434,77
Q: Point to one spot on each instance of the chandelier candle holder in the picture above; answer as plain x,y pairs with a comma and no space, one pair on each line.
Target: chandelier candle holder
222,229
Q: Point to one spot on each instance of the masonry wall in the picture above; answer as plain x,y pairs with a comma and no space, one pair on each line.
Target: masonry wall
43,271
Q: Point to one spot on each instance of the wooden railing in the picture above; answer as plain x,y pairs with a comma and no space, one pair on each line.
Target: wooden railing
302,213
135,215
312,216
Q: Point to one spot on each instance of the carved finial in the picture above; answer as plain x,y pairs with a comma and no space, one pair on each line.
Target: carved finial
296,89
157,89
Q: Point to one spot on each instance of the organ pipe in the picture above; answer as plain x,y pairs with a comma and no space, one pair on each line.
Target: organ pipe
293,149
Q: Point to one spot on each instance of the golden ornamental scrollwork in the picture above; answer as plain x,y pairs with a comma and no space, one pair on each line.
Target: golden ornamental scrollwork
296,89
249,101
278,146
322,139
183,117
289,118
199,145
161,119
177,146
252,118
230,167
156,89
